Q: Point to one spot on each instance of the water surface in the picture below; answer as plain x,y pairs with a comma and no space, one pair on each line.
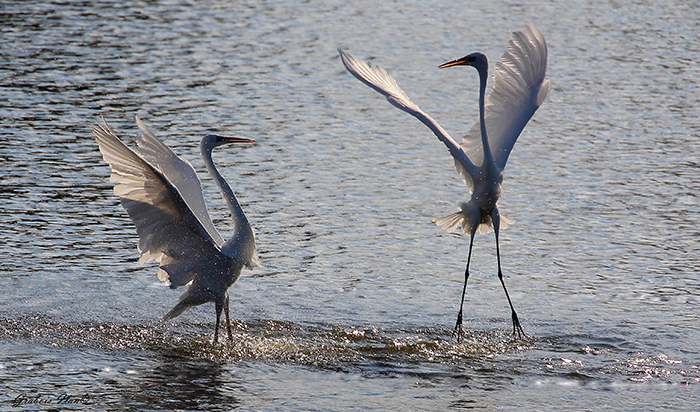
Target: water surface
359,292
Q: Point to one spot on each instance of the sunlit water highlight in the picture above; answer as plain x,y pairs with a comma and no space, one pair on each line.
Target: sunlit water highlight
282,342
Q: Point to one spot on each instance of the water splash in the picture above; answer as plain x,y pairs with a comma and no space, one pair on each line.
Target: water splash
280,342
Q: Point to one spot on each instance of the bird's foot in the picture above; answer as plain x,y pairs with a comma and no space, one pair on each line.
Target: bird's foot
228,330
458,332
517,329
458,328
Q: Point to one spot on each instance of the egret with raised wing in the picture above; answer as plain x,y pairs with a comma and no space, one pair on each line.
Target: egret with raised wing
519,89
163,196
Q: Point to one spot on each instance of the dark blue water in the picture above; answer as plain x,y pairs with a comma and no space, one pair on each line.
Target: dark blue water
359,291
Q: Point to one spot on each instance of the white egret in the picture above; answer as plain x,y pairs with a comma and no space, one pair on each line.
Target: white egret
163,196
519,89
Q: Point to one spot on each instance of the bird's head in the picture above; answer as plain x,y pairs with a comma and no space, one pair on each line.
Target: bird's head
477,60
213,140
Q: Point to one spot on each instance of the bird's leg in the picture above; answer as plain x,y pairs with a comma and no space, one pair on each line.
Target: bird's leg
517,329
458,326
218,306
228,322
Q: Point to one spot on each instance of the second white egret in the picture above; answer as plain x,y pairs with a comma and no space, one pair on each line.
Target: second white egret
520,88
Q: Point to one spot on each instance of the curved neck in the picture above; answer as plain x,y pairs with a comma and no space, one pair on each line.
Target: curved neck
230,198
483,77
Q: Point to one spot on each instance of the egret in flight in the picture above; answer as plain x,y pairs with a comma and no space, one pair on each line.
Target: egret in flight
163,196
519,90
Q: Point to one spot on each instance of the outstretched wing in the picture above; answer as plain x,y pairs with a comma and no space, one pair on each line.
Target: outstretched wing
519,89
179,173
378,79
168,230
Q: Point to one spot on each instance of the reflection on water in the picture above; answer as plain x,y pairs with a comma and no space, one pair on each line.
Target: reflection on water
177,385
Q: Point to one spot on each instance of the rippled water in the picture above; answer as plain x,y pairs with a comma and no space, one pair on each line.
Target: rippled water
359,291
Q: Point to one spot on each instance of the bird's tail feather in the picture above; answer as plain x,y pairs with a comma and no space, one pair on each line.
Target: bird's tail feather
193,296
452,222
505,222
177,310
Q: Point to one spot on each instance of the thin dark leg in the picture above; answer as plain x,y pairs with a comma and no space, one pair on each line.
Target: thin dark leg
218,319
517,329
228,322
458,326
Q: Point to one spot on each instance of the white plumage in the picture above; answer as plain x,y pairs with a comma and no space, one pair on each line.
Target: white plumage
163,196
520,88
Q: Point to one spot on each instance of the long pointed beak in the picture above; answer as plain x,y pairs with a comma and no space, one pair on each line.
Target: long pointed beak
457,62
237,140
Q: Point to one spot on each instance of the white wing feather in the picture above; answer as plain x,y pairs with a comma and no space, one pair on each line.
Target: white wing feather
378,79
168,231
179,173
519,90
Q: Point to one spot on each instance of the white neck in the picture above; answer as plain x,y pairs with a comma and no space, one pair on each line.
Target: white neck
237,214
